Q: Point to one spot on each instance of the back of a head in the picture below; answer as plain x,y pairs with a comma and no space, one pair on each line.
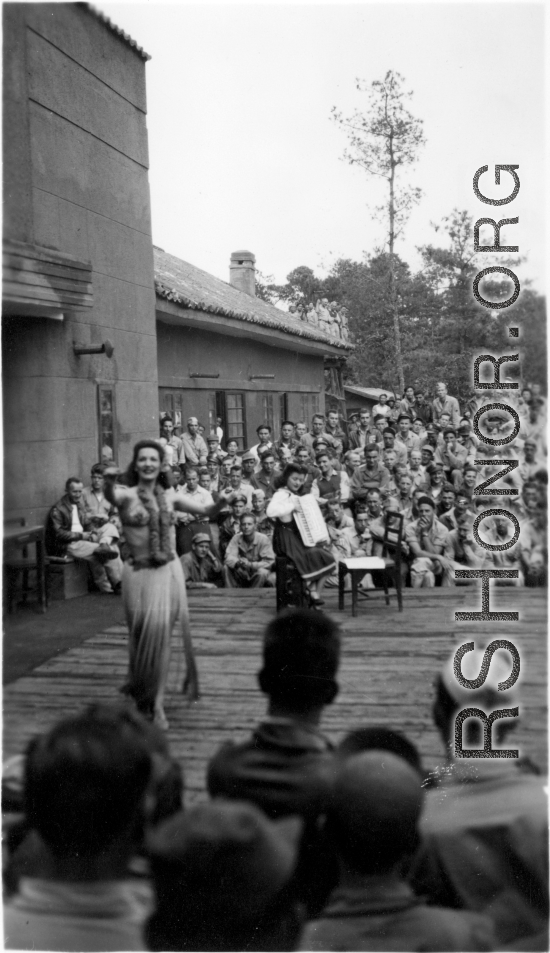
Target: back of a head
221,873
301,653
384,739
377,802
451,696
85,782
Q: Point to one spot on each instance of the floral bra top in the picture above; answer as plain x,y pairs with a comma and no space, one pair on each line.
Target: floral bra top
133,513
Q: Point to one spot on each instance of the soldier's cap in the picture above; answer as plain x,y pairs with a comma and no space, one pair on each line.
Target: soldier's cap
240,498
427,449
248,456
530,442
487,696
201,538
318,442
404,417
212,438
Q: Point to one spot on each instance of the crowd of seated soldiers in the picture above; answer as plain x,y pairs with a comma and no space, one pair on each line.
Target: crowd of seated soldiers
413,456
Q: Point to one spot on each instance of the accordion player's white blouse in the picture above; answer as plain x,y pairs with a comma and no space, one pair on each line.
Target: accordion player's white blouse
282,505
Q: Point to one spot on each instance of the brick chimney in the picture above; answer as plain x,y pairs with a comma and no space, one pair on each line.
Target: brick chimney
242,273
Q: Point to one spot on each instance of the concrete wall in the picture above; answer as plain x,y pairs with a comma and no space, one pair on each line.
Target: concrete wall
76,179
183,351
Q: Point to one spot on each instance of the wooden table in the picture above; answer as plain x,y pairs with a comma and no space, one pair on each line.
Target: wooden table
22,536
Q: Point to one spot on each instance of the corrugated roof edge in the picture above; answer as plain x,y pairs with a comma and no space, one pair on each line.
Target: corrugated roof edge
115,29
169,294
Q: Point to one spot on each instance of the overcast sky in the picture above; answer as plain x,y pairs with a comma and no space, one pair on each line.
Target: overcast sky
243,153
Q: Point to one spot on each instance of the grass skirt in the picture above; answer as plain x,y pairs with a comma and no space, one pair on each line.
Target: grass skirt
155,604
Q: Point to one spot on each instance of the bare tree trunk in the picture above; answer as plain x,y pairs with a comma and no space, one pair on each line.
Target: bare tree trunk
393,282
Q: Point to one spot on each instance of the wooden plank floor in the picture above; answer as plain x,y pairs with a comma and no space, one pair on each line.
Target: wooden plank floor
389,662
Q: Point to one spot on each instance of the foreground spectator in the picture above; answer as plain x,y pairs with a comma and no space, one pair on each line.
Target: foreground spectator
374,814
249,558
86,783
485,828
378,737
71,532
201,569
287,765
221,873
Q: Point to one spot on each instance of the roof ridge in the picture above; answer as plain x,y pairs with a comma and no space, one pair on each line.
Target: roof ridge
96,12
215,296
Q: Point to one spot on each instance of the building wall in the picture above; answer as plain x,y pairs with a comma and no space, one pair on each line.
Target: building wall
76,179
358,402
183,351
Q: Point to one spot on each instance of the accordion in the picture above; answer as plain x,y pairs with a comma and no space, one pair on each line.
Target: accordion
310,521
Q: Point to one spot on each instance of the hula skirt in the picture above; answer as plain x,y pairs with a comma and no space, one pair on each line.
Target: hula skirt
155,604
312,562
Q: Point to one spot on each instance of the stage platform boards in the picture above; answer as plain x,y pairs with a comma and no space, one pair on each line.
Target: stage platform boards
388,666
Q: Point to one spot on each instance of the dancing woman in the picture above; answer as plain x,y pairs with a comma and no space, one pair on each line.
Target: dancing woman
153,586
312,562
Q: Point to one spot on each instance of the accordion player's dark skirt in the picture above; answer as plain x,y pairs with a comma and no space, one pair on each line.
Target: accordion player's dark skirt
311,562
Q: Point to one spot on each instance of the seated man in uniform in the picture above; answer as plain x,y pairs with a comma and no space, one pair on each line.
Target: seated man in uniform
263,523
427,539
70,532
100,513
202,570
249,557
232,523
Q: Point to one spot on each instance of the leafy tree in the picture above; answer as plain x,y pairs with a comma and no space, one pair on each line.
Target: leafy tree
463,328
384,140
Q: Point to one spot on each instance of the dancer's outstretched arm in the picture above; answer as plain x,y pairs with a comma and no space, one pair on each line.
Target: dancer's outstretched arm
201,509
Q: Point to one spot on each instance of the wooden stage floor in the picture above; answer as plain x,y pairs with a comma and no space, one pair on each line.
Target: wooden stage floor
388,665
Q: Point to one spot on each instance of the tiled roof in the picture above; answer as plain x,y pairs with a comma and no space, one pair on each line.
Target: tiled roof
373,393
190,287
116,29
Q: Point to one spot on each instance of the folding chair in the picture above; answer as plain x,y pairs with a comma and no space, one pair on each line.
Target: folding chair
388,566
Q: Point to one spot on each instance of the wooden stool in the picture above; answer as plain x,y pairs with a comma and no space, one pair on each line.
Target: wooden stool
290,587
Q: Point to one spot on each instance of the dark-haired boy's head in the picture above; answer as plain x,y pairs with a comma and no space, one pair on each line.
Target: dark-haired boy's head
301,654
376,805
381,738
85,783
